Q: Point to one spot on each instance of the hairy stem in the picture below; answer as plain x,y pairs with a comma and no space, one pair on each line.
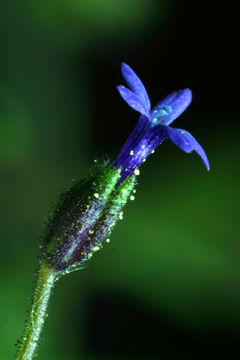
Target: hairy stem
38,314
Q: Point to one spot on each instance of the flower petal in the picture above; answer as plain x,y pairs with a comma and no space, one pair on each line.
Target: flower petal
136,86
178,101
132,100
186,142
142,141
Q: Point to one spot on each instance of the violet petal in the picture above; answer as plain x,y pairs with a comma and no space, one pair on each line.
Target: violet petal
136,86
132,100
186,142
178,101
139,146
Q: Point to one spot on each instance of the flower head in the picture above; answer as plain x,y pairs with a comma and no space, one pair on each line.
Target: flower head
87,212
153,125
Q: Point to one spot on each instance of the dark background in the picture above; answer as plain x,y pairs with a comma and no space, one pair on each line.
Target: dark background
168,284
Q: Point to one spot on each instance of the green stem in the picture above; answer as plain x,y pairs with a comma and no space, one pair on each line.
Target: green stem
46,280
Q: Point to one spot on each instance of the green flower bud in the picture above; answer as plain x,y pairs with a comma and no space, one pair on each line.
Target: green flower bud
85,216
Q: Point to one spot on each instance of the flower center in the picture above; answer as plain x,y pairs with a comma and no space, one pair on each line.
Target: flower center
161,114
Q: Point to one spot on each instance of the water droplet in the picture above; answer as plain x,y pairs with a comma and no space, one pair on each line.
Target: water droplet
96,195
95,248
108,240
124,191
152,152
136,172
132,197
131,152
121,215
162,112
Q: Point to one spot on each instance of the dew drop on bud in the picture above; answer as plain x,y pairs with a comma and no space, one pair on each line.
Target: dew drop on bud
95,248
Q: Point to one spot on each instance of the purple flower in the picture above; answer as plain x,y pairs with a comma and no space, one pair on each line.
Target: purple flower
153,125
87,212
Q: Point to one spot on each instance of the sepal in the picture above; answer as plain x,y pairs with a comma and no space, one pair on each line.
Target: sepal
84,217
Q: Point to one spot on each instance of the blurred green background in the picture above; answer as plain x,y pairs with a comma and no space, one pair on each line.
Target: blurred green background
168,284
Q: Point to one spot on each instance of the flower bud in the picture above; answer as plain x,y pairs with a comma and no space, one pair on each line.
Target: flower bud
85,216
